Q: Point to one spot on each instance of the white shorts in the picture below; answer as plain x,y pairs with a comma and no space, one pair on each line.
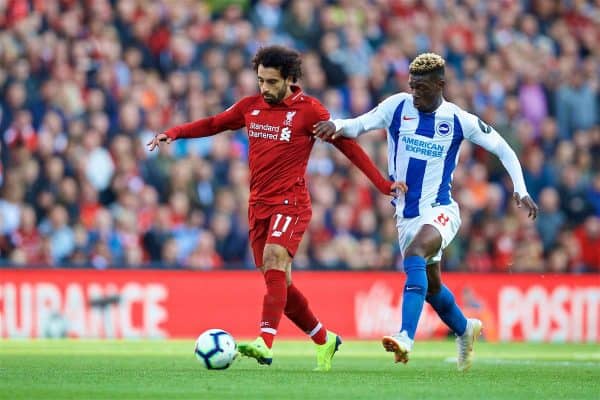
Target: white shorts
446,219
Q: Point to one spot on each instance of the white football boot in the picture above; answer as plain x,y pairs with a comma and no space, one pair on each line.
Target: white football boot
464,344
400,344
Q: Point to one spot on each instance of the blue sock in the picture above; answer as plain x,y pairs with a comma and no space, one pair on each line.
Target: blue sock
415,290
443,303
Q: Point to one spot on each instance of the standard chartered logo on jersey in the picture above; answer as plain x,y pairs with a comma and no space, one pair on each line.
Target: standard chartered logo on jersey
271,132
422,147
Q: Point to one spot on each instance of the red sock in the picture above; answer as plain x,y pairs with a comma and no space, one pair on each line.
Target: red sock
273,304
298,311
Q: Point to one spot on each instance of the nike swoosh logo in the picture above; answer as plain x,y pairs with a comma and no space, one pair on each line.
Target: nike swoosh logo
408,118
412,288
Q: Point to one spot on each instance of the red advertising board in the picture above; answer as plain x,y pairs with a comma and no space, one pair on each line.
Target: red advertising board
177,304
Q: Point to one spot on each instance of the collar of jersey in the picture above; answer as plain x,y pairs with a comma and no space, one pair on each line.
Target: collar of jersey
434,111
296,93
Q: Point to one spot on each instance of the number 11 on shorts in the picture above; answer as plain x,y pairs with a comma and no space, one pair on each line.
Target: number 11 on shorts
286,224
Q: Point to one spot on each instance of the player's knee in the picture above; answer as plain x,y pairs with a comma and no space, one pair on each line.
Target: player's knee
425,244
415,249
274,259
274,263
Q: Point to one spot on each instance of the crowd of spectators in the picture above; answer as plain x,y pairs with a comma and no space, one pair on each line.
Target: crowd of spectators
85,84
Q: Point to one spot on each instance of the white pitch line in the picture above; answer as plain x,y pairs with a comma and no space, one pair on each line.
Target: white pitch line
548,363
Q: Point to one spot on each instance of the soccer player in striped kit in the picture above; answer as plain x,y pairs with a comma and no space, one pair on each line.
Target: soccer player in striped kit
424,135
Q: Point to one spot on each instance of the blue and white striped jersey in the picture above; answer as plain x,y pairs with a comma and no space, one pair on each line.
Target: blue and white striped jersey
423,148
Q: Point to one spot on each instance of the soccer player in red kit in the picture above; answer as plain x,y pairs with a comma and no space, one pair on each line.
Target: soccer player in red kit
279,122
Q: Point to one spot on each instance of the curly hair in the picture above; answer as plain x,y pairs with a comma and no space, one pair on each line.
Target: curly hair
427,63
287,61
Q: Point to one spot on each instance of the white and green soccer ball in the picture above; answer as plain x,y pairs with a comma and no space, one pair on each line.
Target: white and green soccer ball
215,349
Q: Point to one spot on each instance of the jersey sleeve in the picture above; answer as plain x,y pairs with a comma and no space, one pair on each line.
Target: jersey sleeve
230,119
379,117
482,134
355,153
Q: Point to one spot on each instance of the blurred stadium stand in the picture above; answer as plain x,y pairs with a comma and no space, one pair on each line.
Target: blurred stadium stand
85,84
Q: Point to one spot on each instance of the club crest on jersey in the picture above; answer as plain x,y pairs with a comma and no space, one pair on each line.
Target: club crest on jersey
289,116
286,134
443,128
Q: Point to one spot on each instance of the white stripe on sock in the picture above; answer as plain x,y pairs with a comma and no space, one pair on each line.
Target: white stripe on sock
317,329
269,330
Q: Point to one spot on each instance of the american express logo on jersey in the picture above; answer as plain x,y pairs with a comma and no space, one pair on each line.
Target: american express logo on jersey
422,147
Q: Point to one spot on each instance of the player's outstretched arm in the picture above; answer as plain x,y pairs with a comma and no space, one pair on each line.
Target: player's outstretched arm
230,119
350,128
486,137
357,155
378,118
511,163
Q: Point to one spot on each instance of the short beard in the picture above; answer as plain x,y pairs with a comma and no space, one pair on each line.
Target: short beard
279,98
270,100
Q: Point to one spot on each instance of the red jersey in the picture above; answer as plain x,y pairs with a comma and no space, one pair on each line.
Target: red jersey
281,139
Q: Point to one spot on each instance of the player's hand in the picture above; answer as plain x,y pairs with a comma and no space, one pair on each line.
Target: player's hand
528,202
325,130
155,142
396,188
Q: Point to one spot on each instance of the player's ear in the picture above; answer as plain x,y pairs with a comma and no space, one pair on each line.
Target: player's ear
441,83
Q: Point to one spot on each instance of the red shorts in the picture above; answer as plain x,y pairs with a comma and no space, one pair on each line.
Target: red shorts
284,226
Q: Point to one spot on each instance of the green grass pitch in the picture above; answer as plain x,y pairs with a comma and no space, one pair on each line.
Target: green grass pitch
67,369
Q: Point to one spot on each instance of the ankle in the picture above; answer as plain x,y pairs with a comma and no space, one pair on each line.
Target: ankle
268,339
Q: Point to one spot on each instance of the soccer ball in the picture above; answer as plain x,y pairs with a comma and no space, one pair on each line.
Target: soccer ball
215,349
